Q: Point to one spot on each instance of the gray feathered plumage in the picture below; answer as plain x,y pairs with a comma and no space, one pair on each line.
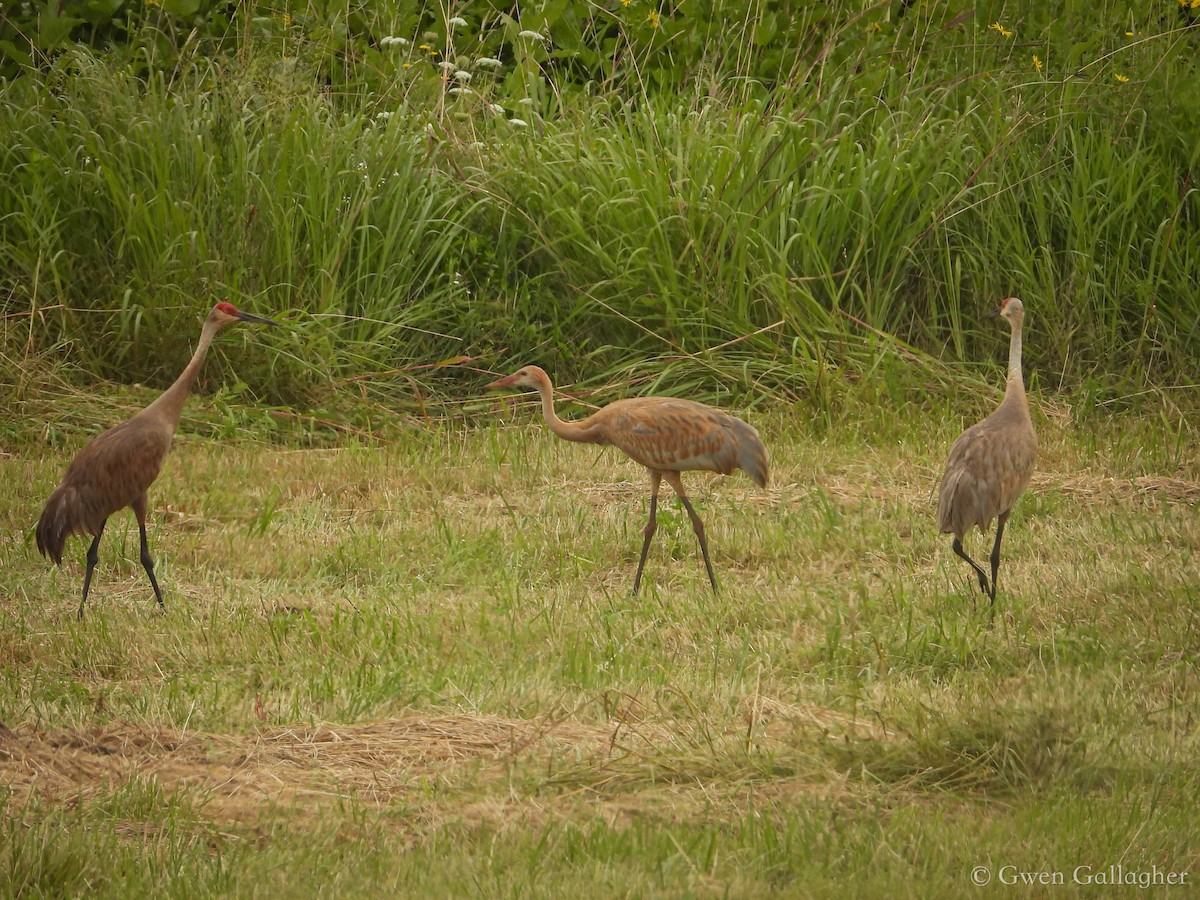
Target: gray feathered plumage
116,469
990,463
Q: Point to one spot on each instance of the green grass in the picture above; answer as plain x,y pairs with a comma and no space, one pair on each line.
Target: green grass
413,666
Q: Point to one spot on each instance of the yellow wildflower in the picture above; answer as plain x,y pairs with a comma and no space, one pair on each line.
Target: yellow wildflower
626,2
424,47
406,65
1000,29
654,17
1121,79
1129,34
1037,63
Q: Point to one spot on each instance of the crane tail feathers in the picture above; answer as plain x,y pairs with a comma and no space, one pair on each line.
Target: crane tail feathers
55,525
752,459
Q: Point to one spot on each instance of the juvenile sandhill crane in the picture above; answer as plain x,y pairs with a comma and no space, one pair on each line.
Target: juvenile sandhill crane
667,436
991,462
117,468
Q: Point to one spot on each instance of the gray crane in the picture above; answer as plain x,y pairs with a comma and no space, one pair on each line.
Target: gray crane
667,435
117,468
991,462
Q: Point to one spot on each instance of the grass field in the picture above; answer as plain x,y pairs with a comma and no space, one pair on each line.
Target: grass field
398,655
411,667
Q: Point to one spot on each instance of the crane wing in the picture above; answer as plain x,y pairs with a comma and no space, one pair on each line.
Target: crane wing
117,467
676,435
986,472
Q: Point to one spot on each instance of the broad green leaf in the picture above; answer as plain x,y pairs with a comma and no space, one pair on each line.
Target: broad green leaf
100,9
54,29
182,7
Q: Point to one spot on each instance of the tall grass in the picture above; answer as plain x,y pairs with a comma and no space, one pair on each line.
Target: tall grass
772,242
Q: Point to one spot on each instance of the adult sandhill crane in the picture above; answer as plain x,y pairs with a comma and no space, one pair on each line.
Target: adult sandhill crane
117,468
991,462
667,436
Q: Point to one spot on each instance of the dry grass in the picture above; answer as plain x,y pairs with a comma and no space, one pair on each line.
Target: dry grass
306,770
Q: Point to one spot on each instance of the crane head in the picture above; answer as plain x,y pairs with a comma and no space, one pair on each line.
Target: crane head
227,314
1011,309
529,376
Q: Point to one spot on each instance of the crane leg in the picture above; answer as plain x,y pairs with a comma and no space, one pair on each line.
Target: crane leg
93,556
983,581
139,510
648,531
697,526
1003,518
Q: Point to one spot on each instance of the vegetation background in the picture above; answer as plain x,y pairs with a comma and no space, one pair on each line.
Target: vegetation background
775,199
798,210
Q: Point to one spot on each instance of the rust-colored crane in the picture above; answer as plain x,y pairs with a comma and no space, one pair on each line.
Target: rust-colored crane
991,462
666,435
117,468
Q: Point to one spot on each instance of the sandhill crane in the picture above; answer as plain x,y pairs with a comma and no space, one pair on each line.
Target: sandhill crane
991,462
666,435
117,468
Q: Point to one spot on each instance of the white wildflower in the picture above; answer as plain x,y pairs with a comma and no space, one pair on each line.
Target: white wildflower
496,108
526,101
446,65
520,123
460,90
457,22
462,75
392,41
477,145
532,35
488,62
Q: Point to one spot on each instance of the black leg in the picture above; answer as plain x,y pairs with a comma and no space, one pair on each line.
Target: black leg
148,565
93,556
648,531
983,581
139,510
697,525
996,552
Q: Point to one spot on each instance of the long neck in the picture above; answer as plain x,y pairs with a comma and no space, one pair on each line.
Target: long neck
1015,386
571,431
168,407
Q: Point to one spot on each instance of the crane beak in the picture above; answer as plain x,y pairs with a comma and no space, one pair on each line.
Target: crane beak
506,381
997,313
260,320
